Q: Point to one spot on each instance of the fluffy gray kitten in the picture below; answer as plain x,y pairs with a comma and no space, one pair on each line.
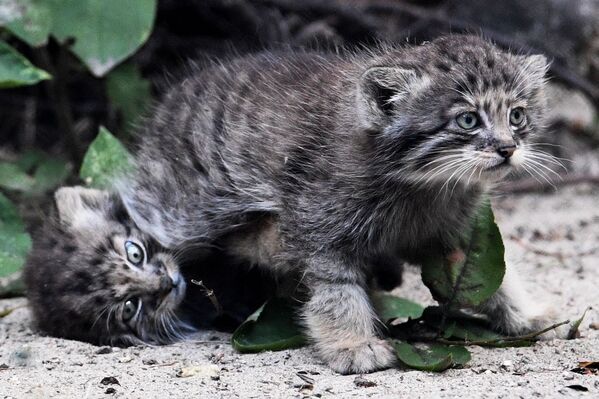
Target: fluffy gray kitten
331,162
94,276
356,157
84,279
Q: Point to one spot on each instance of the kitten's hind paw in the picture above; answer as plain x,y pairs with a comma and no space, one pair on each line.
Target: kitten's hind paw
363,356
524,324
547,320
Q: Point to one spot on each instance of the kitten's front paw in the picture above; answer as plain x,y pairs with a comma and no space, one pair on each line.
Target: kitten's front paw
358,357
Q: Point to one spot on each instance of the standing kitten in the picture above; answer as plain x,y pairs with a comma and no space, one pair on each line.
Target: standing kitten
356,157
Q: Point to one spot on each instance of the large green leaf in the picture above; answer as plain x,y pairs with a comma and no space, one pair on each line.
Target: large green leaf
105,31
472,278
272,327
15,244
16,70
29,20
432,357
105,160
389,307
129,92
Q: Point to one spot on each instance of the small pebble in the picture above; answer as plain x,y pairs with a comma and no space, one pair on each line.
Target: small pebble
506,365
362,382
110,381
104,350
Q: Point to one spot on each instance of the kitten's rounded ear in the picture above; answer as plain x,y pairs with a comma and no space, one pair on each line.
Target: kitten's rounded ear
75,205
535,67
380,89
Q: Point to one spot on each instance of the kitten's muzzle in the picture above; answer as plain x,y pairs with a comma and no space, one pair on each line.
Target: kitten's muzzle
167,284
506,151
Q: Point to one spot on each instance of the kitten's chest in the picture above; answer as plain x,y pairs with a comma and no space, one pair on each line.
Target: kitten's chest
414,225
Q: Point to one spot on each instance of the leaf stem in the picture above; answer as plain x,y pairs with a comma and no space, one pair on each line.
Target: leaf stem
491,342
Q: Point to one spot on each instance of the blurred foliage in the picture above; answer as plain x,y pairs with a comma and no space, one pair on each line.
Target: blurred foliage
105,32
15,244
101,34
129,92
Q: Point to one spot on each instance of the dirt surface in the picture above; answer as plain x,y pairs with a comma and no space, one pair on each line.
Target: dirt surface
551,237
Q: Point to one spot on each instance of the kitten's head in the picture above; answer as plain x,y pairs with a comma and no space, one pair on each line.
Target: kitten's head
93,276
457,108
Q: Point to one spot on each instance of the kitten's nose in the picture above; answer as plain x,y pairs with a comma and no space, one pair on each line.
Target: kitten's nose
166,284
506,151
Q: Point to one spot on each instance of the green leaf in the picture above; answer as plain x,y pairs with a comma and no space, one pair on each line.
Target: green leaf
29,20
433,357
272,327
15,244
50,173
105,31
105,160
390,307
16,70
129,92
469,280
13,178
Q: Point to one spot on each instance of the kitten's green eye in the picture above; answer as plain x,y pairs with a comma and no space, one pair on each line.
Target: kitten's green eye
517,116
130,308
135,254
467,120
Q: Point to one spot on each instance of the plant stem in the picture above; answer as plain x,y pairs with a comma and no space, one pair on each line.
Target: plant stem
491,342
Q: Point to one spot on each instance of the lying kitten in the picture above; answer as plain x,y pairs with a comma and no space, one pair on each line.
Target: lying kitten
94,276
340,161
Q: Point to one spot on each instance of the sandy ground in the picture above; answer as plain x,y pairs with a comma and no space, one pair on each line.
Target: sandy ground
550,237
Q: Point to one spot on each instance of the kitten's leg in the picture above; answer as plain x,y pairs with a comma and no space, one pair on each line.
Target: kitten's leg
341,321
514,311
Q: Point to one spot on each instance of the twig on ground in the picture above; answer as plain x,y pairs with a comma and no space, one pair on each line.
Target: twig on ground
493,342
559,255
533,185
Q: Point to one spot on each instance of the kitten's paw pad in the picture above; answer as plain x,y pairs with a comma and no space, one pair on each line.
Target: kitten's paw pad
363,357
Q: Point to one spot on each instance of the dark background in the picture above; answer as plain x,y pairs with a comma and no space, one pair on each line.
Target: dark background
62,116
